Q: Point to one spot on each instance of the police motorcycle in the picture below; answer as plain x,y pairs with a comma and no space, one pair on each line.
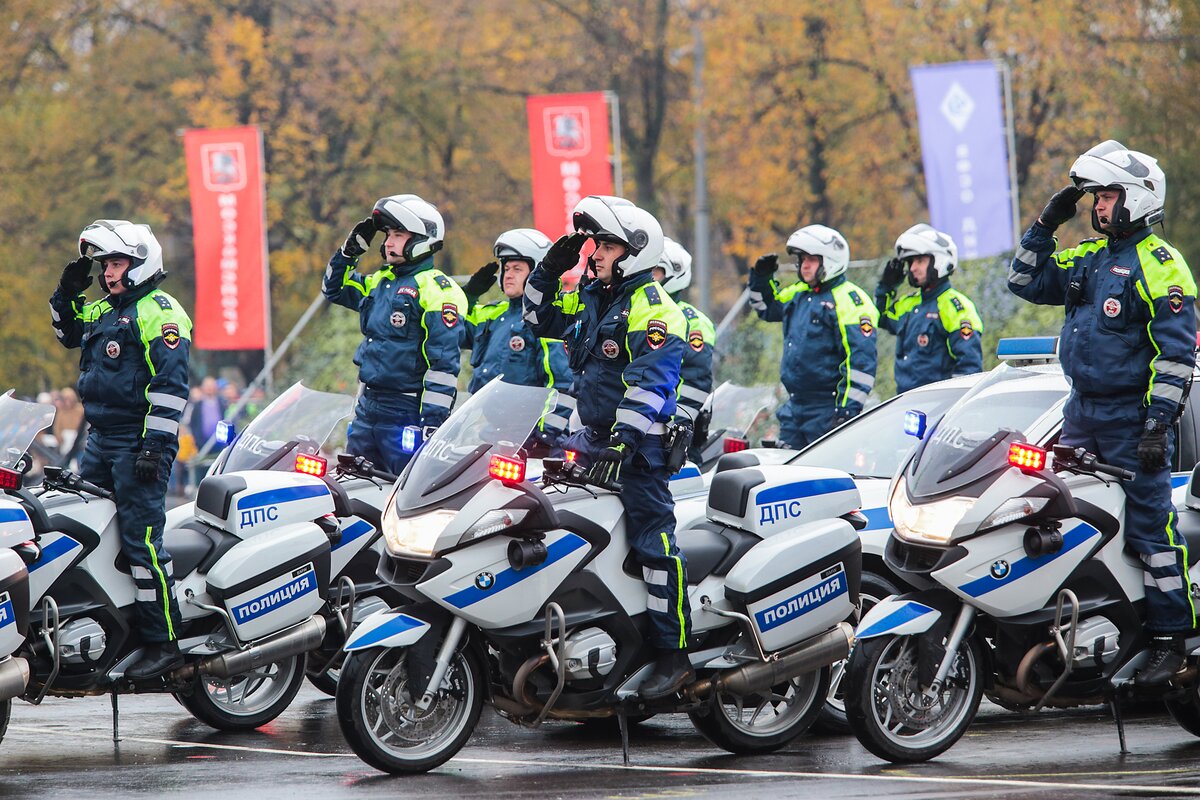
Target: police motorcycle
1025,588
734,411
247,602
286,438
527,598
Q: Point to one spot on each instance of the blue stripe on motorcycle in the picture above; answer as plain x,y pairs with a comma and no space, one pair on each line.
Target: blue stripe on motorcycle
360,528
53,550
1019,569
877,518
1180,479
901,616
686,472
794,491
511,577
281,496
397,625
13,515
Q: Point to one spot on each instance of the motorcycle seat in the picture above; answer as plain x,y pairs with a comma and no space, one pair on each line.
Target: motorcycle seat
730,490
193,545
1187,525
710,549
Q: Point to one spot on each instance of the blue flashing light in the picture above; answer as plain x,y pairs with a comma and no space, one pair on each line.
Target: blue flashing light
410,438
915,423
1028,347
225,433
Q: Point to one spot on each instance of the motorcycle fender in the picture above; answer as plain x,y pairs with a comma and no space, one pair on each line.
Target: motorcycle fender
899,615
386,629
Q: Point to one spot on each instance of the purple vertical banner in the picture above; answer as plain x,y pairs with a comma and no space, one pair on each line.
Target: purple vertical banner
964,149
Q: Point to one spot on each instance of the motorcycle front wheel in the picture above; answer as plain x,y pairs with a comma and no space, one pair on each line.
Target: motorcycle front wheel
376,710
893,715
763,723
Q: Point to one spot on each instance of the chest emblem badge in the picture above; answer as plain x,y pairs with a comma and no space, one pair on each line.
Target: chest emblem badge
112,349
1112,307
923,340
516,344
398,319
610,349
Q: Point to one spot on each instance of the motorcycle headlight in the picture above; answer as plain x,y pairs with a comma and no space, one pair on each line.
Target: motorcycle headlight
1013,509
414,536
927,523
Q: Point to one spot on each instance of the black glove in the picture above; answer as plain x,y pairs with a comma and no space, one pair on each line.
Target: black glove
360,238
75,278
1061,207
893,273
563,255
149,461
1152,448
482,280
766,265
606,465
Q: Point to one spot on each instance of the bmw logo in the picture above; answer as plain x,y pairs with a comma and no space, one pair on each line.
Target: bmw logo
485,580
1000,570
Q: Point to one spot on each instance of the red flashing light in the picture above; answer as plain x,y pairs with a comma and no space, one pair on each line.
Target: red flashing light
1026,457
735,445
10,479
570,456
311,465
507,470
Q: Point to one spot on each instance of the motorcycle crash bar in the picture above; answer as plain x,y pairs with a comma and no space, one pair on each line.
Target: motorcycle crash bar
813,654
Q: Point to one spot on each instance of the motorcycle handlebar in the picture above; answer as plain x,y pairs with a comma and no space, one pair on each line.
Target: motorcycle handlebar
1116,472
73,483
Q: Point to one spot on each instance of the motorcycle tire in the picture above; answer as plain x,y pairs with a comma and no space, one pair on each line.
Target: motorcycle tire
765,722
264,694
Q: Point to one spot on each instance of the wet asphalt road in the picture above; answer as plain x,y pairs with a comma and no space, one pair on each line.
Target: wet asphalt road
64,749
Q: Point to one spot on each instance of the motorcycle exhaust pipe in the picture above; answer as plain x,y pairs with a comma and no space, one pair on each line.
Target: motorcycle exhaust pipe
14,677
294,641
815,653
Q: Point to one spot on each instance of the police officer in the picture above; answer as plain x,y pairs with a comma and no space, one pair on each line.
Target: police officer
410,319
829,324
938,329
625,338
1128,347
133,380
674,273
500,341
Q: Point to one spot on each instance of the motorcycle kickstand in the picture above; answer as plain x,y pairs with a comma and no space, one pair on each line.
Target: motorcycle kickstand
115,718
623,723
1114,705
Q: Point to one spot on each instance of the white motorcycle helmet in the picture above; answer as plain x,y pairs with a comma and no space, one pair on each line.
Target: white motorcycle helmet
526,244
106,238
925,240
677,263
615,219
407,212
824,242
1137,176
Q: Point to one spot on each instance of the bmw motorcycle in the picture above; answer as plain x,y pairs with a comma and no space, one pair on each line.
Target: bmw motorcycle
526,598
285,438
1026,589
248,598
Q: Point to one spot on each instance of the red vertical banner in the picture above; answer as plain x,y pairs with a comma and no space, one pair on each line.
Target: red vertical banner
569,144
225,180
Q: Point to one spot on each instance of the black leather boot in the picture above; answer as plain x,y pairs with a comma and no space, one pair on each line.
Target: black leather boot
159,659
1166,659
671,673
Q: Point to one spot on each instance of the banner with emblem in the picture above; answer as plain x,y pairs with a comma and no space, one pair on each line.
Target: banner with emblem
964,151
569,155
225,181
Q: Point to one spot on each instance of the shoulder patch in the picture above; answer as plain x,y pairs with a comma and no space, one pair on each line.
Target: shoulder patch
656,333
965,329
958,304
864,325
170,335
1175,298
442,281
1163,255
856,297
696,340
449,314
163,301
652,296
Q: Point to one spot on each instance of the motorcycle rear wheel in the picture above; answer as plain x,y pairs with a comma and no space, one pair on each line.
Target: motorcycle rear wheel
248,700
1186,710
763,723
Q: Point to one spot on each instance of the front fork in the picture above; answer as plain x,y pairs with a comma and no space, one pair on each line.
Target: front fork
442,665
962,623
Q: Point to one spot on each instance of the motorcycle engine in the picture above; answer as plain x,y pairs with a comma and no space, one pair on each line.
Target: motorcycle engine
589,653
1096,642
81,641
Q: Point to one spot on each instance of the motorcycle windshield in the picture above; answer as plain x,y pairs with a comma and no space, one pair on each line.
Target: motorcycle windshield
497,420
20,423
735,408
300,414
972,439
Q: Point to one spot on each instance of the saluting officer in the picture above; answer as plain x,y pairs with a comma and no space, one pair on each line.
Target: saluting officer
133,380
625,339
1128,346
409,314
937,329
828,365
